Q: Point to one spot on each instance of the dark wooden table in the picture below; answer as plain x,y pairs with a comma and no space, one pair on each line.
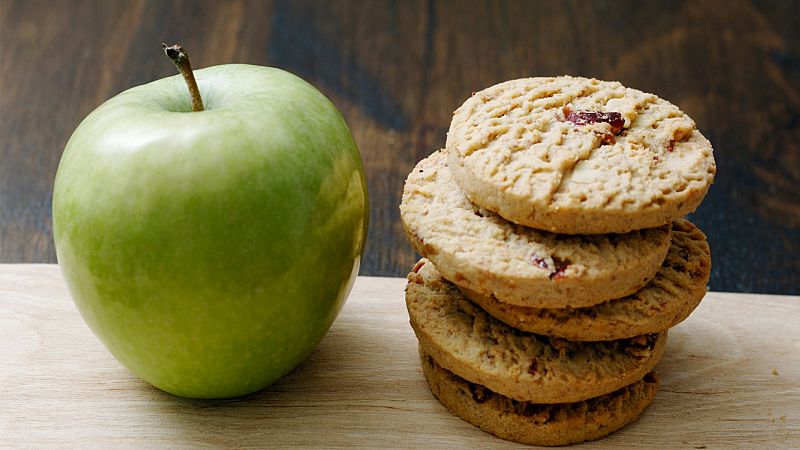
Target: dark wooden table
397,70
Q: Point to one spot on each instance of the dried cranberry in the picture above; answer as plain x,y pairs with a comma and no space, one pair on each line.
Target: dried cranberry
539,262
558,274
581,118
561,267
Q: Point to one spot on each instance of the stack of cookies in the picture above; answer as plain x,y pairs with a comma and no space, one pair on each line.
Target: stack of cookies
554,254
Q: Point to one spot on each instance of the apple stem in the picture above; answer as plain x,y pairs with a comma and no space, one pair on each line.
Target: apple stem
181,59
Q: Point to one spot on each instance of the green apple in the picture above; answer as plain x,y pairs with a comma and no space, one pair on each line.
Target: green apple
211,251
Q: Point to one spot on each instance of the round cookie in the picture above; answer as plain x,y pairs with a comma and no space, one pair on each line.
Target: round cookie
467,341
666,301
578,156
537,424
481,251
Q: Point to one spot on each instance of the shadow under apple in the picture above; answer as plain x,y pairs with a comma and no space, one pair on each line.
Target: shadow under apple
360,369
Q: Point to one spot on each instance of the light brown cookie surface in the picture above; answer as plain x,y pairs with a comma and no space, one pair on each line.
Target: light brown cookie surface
578,156
537,424
466,340
667,300
479,250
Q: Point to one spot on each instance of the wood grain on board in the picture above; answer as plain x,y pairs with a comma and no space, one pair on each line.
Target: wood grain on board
730,379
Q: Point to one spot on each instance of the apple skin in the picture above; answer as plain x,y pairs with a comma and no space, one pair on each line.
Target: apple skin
211,251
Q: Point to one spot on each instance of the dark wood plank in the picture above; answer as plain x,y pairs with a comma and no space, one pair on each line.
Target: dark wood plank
397,70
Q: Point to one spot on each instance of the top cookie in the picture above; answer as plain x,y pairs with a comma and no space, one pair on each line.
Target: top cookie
578,156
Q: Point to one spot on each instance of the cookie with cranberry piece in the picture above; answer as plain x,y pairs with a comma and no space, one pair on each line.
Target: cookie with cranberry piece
467,341
477,249
533,423
667,300
578,156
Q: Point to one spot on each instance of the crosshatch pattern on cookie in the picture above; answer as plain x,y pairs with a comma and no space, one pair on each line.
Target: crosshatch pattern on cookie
466,340
538,424
668,299
476,248
549,142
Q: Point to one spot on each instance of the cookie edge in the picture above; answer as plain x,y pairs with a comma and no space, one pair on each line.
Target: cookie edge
451,390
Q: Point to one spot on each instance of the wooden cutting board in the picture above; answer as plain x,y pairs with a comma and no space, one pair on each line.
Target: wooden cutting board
730,378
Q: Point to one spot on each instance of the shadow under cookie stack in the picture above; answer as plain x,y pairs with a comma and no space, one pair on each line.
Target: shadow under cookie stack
555,256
